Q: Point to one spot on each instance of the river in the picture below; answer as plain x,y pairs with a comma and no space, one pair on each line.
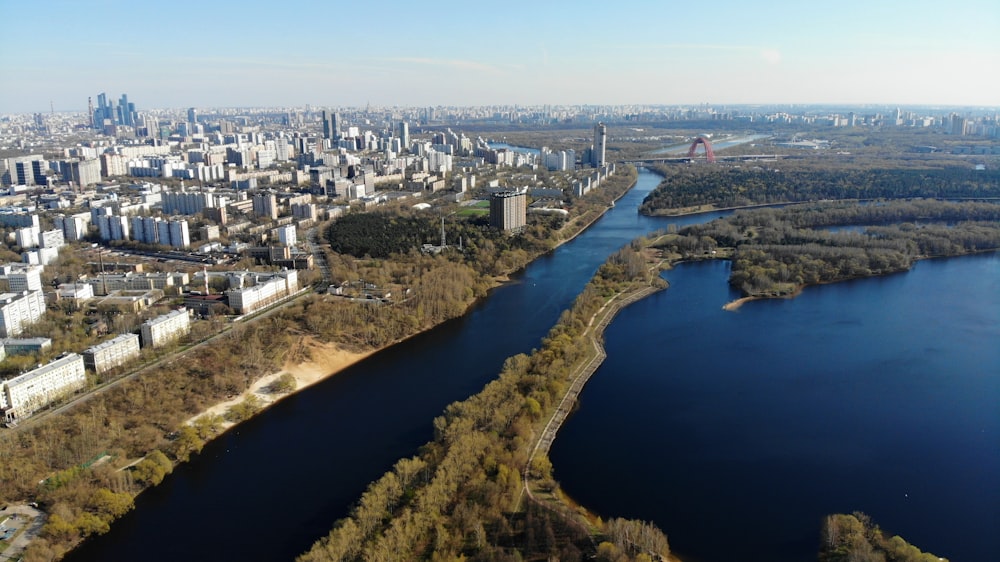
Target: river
276,483
272,486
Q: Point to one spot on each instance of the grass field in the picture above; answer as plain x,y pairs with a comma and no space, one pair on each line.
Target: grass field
476,209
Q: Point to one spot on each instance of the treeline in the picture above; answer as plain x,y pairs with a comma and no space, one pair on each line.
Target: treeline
458,499
779,250
789,182
855,538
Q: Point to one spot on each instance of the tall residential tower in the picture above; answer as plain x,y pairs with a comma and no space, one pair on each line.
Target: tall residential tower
598,153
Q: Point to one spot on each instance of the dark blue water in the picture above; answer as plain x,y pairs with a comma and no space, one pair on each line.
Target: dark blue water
736,432
274,485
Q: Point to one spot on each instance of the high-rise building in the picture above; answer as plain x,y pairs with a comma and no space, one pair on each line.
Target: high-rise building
192,115
265,205
598,153
331,124
286,235
403,132
82,172
508,210
180,237
74,227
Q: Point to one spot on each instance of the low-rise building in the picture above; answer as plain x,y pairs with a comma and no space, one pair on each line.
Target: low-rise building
107,283
20,277
24,346
166,328
112,353
76,292
127,301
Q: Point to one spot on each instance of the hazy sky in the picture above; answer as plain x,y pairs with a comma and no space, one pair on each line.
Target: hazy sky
180,53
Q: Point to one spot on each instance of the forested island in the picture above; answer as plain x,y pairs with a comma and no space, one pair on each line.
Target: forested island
775,252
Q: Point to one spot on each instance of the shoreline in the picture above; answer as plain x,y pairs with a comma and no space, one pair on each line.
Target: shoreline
332,360
325,360
736,304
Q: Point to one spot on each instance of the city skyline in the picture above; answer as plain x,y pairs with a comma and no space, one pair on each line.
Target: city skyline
449,53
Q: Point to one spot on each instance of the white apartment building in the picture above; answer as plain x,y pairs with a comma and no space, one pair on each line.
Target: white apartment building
19,277
106,283
265,291
74,227
20,310
51,239
27,237
112,353
41,256
166,328
24,394
286,235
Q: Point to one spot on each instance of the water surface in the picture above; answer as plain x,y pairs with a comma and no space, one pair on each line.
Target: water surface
736,432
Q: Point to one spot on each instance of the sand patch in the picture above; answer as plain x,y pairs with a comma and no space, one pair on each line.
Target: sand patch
324,360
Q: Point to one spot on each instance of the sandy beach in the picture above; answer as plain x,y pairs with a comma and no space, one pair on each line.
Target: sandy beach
736,304
325,360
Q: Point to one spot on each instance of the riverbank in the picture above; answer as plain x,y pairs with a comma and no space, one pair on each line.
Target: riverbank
325,360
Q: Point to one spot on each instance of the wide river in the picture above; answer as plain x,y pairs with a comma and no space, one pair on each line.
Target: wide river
272,486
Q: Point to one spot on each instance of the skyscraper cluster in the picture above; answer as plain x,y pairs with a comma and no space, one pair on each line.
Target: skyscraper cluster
109,113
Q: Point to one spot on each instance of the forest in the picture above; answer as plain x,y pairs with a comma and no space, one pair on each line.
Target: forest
855,538
789,181
777,251
461,497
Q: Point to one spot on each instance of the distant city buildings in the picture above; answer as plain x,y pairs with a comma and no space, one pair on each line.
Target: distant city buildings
331,125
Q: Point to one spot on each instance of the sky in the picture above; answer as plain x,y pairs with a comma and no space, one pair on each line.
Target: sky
338,53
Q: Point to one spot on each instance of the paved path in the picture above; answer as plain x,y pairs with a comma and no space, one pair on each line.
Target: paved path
606,313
